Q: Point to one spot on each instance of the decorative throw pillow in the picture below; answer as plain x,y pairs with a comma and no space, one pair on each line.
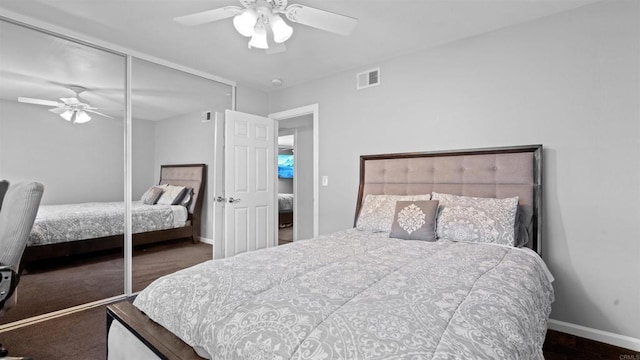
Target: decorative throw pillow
172,195
377,211
415,220
152,195
473,219
186,199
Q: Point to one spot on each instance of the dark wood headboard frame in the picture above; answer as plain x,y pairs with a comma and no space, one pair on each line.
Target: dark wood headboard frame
536,182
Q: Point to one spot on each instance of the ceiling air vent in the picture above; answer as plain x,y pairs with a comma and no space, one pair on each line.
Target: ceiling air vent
368,78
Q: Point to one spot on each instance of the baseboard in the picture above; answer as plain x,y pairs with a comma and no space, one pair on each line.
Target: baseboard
206,240
606,337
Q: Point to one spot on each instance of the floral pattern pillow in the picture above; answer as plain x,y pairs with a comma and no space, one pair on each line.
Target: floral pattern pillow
415,220
474,219
377,211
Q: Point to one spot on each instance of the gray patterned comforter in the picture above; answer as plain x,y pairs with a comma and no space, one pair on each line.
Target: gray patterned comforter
71,222
360,295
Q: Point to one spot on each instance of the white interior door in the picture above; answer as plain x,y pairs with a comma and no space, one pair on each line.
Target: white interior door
249,182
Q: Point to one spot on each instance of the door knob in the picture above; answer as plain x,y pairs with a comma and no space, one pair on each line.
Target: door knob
232,200
220,199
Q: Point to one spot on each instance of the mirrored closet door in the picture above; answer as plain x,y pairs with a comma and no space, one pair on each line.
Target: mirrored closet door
62,124
173,132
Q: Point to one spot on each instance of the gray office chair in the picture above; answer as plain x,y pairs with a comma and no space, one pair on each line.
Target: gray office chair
17,213
4,186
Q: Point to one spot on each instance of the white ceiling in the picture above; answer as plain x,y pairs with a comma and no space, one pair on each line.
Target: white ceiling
386,29
37,65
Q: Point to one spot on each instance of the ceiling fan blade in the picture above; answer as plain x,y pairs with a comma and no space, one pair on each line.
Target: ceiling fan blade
27,100
208,16
99,113
58,110
70,101
325,20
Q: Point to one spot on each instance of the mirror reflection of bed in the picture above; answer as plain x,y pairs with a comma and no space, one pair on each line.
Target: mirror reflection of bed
285,189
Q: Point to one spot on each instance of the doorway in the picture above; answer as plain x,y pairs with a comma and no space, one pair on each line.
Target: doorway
298,144
286,180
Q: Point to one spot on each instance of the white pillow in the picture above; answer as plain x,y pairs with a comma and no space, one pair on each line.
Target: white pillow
377,211
474,219
172,194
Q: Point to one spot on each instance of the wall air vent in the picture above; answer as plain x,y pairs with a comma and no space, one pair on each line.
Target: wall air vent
205,116
368,78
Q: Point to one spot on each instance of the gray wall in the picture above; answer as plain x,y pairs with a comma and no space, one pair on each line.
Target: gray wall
75,162
304,181
143,165
285,186
569,82
187,140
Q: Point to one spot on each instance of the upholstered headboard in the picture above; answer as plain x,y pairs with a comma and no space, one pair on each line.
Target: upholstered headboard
491,172
189,175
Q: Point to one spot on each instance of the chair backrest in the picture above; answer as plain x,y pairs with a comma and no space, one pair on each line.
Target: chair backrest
18,212
4,185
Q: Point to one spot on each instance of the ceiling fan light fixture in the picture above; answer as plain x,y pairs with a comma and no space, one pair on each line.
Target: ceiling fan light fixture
245,22
81,117
281,30
259,38
67,115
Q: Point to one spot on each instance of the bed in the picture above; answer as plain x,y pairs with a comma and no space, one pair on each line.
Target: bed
285,209
73,229
360,293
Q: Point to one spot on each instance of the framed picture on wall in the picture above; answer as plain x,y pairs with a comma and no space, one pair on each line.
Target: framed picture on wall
285,166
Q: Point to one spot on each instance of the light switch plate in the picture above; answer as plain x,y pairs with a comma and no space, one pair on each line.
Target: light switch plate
325,180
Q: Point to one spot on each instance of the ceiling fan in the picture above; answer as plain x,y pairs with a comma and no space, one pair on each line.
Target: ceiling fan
70,109
260,17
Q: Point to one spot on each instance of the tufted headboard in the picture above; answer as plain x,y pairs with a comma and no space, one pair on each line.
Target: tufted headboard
189,175
490,172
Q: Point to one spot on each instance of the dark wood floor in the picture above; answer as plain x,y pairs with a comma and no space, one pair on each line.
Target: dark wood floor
285,235
561,346
62,283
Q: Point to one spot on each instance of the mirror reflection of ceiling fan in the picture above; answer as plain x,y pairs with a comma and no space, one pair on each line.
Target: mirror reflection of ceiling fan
260,18
70,109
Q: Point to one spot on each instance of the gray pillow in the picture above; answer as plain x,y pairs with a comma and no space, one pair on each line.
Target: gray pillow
187,198
152,195
415,220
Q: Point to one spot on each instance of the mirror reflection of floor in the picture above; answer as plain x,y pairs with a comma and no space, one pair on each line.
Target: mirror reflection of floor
285,235
58,284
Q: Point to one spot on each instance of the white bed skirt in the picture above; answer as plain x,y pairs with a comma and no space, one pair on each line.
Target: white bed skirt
122,345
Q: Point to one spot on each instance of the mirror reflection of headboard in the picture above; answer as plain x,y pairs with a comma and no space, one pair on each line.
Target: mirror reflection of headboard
192,176
188,175
490,172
